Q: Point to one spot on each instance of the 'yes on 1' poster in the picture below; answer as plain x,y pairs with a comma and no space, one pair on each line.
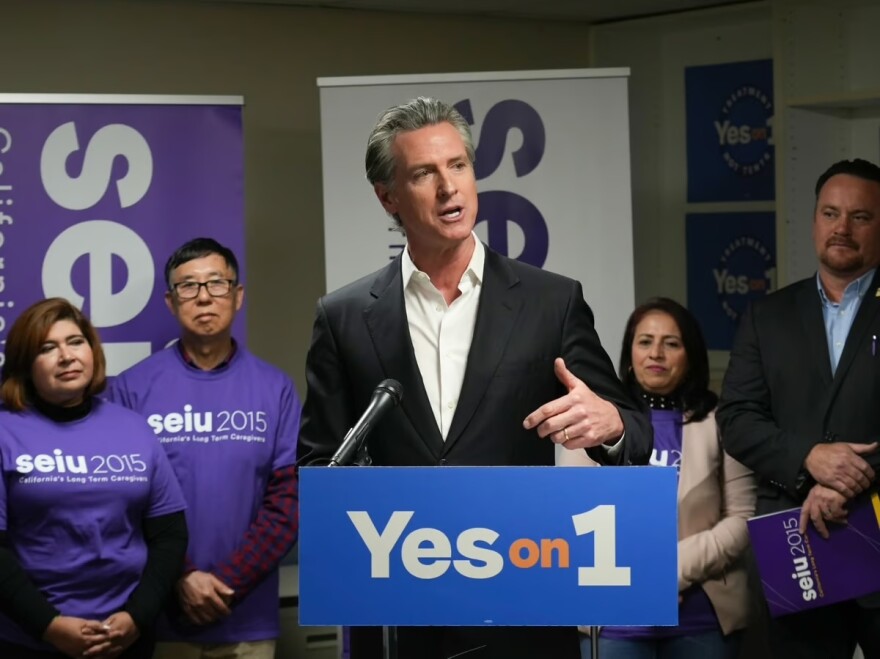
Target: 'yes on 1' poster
731,262
730,152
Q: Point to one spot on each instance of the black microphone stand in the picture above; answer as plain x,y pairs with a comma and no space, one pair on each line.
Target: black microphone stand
389,634
389,642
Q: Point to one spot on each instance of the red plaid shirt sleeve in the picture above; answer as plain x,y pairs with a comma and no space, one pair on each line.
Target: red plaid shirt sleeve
269,538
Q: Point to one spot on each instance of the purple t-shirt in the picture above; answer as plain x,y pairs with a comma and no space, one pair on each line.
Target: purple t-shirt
225,431
73,500
695,613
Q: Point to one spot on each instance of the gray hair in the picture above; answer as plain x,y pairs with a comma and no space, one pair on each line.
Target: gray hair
412,115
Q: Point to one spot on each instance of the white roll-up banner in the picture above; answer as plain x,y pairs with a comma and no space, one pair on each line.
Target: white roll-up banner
553,171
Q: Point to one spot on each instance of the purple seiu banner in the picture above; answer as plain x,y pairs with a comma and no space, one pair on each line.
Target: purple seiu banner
800,572
94,197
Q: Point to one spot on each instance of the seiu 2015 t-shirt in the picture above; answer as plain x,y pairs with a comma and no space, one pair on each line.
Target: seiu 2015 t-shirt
73,501
695,612
225,431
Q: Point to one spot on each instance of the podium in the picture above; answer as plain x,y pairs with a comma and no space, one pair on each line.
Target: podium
473,546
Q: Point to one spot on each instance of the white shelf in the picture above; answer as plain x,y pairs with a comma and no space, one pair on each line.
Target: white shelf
855,100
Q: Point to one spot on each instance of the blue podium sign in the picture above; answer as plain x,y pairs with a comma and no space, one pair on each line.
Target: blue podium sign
488,546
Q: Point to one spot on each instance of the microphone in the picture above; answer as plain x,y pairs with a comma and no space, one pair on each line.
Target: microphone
387,395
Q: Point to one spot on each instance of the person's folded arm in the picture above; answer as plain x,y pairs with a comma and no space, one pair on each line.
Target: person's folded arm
268,539
748,430
708,553
20,599
166,539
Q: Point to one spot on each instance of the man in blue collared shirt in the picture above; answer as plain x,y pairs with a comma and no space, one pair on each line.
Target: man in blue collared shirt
800,404
839,314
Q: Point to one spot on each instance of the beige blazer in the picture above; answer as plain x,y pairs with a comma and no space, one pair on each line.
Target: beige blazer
716,495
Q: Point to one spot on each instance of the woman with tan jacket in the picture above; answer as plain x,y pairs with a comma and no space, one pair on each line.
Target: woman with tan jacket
664,360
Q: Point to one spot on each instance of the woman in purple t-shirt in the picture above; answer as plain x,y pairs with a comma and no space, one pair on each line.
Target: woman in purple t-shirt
664,360
92,531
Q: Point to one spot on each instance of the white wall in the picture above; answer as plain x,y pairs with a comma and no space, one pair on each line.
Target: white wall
828,101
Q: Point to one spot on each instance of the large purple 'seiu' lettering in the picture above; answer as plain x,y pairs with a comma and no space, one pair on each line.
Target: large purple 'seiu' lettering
497,207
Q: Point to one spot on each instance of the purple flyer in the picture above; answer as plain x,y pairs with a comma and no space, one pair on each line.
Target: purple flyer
800,572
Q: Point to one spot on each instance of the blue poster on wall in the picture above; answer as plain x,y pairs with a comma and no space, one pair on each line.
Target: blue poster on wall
731,260
729,115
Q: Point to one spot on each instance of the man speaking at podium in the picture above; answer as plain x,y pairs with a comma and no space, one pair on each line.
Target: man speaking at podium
497,360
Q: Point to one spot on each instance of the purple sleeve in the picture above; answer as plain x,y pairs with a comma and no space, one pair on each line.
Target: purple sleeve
165,494
288,428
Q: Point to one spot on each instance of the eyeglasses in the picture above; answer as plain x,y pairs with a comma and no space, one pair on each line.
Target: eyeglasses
189,290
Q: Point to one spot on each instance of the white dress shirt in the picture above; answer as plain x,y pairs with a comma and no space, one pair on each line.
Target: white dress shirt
441,334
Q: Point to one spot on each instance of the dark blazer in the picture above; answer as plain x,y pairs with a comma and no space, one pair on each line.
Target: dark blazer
526,318
779,398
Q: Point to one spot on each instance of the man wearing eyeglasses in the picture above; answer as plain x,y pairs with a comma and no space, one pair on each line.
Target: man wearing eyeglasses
228,422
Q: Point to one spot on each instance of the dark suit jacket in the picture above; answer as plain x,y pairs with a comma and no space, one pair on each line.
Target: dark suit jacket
526,318
779,398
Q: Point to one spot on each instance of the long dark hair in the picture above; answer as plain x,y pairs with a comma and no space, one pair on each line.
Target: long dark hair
697,400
